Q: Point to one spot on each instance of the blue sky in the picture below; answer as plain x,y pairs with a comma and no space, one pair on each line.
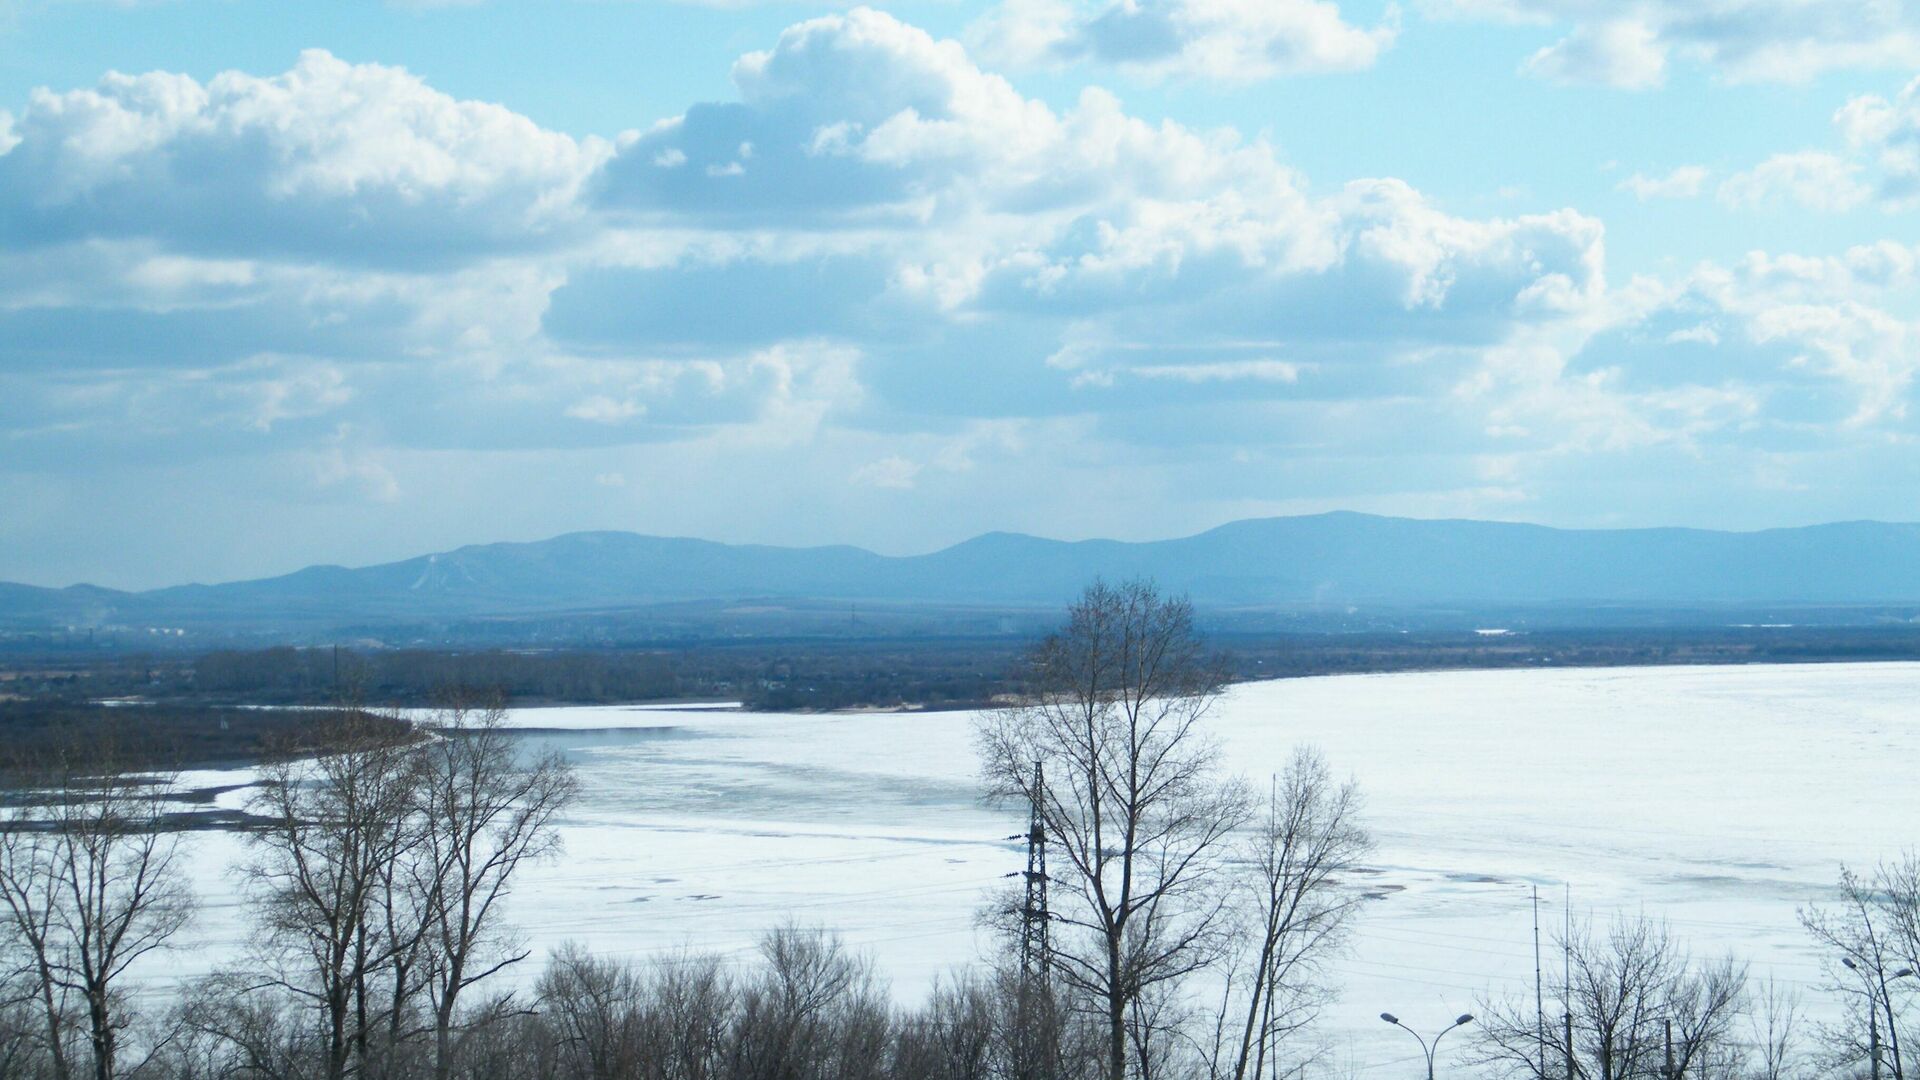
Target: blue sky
284,284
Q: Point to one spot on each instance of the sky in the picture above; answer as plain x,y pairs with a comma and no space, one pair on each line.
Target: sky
349,282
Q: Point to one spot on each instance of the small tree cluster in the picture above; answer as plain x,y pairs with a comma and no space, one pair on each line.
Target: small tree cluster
378,877
805,1008
1632,1005
1635,1004
1869,941
89,884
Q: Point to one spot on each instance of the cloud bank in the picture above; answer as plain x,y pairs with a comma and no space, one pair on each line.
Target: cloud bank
1631,44
1231,41
878,284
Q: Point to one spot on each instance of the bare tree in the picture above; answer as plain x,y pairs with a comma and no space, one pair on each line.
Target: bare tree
226,1027
593,1006
482,811
1160,1031
1870,945
954,1038
32,894
1136,814
687,1030
1775,1033
816,1012
1628,992
1295,914
91,882
337,824
22,1046
1699,1016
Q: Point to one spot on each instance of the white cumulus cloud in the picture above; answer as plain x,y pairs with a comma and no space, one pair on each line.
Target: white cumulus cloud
1888,131
1624,53
1220,40
1809,179
347,161
1684,182
892,471
1275,371
1628,43
601,409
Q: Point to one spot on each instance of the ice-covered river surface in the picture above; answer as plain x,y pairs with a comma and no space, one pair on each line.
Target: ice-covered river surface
1719,798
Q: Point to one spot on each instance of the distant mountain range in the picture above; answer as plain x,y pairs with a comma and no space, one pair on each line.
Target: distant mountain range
1325,561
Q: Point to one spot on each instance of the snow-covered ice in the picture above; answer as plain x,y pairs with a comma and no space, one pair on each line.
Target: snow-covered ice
1720,798
607,717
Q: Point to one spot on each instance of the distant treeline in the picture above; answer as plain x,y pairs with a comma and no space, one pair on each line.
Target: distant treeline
408,675
814,674
778,676
1264,656
158,736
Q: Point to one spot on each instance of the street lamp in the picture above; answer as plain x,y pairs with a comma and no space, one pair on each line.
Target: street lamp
1427,1048
1873,1016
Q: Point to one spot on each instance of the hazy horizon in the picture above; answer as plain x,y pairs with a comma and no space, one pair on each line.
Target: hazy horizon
906,553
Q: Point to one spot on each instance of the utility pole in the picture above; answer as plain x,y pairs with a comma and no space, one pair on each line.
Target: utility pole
1539,998
1036,957
1873,1039
1893,1029
1566,960
1668,1074
1875,1001
1034,1036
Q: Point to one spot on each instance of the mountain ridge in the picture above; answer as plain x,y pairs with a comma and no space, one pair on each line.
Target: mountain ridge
1335,558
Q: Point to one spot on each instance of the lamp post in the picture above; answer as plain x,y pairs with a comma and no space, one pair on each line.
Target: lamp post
1882,998
1428,1048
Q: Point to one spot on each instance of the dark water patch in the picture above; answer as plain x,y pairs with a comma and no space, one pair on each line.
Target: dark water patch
207,795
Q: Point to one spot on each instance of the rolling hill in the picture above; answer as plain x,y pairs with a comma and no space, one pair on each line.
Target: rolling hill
1336,560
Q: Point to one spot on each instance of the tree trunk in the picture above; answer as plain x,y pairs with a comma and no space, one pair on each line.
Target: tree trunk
443,1027
1264,1037
1116,1014
442,1047
1256,1025
360,1018
102,1033
56,1036
337,1033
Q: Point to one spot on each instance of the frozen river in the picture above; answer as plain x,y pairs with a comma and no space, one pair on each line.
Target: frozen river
1720,798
